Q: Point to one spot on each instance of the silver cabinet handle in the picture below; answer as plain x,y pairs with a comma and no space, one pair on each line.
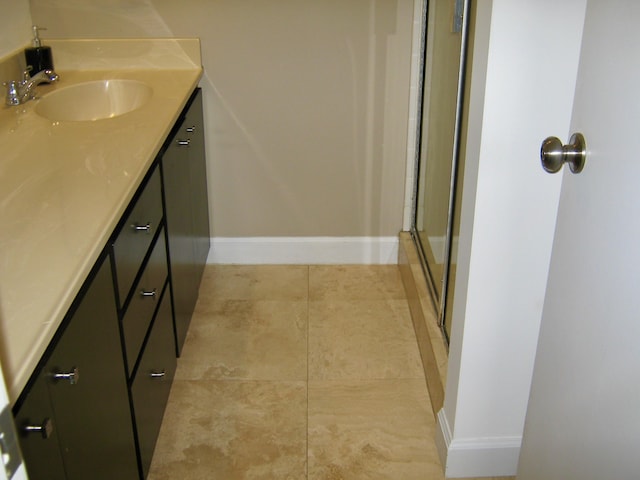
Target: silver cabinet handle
73,376
148,293
191,129
183,143
46,429
553,154
157,374
142,228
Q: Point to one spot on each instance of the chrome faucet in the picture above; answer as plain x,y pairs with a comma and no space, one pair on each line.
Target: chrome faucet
19,92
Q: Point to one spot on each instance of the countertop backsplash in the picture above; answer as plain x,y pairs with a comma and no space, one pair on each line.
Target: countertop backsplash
126,54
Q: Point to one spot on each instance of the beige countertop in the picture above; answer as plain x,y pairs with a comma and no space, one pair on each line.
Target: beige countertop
65,185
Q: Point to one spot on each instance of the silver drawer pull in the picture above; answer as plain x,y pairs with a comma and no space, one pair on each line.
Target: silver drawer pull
183,143
191,129
146,293
46,429
157,374
142,228
73,376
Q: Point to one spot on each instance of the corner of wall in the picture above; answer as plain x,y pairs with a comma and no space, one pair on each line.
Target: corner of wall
479,67
476,457
414,109
443,436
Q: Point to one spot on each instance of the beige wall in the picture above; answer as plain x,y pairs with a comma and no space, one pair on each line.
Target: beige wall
306,104
15,32
15,25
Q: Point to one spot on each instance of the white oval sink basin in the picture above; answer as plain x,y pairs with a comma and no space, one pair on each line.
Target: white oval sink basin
94,100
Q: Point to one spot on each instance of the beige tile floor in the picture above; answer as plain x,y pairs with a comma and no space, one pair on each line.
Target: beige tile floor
299,372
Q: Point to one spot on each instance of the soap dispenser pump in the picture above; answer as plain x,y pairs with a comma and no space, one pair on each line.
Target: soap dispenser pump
38,57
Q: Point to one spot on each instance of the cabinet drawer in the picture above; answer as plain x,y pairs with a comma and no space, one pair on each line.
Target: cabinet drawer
135,236
152,383
144,301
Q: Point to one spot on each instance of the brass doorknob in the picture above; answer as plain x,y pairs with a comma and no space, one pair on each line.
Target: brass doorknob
553,154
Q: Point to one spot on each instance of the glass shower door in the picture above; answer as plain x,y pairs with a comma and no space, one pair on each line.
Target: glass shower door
439,140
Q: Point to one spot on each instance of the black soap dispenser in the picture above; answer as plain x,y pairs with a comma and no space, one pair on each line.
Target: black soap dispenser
38,57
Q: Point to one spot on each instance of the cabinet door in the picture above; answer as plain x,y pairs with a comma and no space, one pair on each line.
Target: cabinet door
187,213
194,126
175,169
38,436
88,389
151,386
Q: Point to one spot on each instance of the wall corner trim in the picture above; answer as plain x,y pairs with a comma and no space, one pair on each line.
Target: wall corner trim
303,250
476,457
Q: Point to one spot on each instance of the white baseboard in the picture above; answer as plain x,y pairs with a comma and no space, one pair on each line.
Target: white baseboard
476,457
303,250
443,436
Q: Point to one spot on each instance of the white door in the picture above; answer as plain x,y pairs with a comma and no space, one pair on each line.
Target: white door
583,419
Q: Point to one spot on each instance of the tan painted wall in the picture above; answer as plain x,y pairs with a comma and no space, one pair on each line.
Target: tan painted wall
15,26
306,104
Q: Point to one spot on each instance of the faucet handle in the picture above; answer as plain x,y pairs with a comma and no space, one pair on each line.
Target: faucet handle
26,73
13,96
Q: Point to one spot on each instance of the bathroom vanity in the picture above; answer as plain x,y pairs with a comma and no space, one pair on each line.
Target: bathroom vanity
105,236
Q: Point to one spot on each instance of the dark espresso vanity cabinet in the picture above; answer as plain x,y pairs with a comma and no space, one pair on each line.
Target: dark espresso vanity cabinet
94,406
152,382
77,414
39,443
187,212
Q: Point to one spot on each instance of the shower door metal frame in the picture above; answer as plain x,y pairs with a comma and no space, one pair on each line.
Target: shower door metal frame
439,302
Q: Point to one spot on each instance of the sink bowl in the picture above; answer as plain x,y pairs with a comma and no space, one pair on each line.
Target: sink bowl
91,101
